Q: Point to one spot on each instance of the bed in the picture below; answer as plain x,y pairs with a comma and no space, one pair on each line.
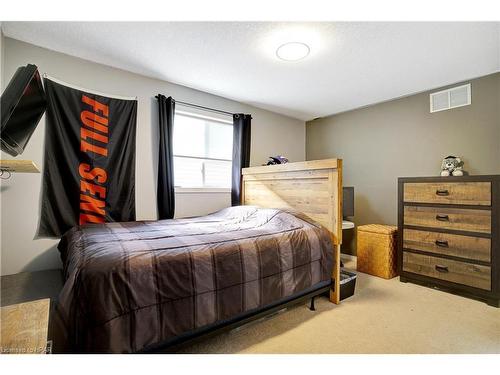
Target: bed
146,285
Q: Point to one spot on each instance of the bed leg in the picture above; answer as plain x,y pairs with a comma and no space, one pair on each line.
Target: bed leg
311,307
335,291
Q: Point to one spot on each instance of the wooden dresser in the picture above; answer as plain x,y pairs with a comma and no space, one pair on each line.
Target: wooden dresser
449,234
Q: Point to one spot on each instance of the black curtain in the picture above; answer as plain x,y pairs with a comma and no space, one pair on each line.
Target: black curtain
241,153
165,189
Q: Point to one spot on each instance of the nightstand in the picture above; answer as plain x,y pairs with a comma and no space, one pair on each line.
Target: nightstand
29,292
24,327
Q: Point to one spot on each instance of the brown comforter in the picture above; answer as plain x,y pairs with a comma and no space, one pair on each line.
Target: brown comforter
130,286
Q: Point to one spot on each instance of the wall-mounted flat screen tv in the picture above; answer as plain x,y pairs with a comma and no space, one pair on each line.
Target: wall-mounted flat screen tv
22,105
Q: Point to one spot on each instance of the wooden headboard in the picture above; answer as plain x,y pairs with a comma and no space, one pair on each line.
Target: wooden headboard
312,187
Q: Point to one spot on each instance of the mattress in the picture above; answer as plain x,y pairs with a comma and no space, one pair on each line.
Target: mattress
130,286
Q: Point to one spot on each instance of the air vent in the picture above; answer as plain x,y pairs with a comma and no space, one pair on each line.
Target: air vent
450,98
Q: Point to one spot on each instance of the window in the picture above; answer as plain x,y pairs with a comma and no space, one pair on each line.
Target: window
203,148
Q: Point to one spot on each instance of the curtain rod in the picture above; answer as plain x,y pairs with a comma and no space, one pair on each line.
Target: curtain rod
201,107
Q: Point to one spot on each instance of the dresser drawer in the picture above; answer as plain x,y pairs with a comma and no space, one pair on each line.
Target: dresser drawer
465,193
448,218
475,248
464,273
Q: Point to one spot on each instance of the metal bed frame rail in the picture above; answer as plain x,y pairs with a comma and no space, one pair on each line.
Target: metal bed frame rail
174,344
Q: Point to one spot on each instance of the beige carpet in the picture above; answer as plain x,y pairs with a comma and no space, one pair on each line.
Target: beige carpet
384,316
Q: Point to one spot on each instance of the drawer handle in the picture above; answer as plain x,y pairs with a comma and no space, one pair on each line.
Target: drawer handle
442,217
442,269
442,192
442,243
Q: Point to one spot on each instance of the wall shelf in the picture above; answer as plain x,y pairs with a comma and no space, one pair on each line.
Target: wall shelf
18,166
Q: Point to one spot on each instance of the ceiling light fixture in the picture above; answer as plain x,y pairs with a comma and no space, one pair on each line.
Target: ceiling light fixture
293,51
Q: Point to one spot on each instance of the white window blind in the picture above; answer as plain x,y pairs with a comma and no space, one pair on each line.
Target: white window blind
203,148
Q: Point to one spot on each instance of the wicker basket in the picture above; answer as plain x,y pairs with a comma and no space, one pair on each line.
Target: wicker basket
377,250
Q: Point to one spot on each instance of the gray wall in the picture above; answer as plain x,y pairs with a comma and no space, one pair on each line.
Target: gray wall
401,138
271,134
1,56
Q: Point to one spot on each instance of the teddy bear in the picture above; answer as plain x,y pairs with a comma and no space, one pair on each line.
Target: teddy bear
452,166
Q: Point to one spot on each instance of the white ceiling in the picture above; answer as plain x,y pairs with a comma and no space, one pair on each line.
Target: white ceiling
351,64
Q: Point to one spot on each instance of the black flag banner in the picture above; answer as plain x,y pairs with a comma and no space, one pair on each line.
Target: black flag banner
89,166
